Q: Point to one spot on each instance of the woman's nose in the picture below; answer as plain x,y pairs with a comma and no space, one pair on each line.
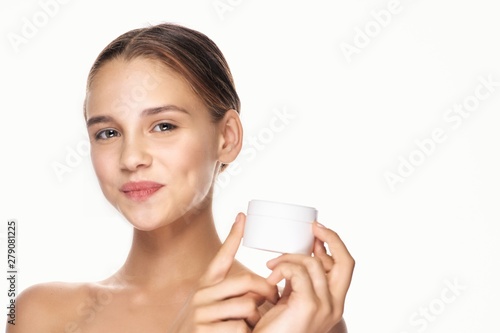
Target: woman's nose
134,155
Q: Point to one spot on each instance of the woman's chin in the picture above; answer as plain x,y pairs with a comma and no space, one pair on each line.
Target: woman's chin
143,220
143,225
148,218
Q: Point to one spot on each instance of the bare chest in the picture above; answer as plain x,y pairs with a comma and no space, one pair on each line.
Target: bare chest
122,314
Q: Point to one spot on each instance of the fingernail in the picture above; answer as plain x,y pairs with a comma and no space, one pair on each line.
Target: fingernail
238,217
270,263
320,225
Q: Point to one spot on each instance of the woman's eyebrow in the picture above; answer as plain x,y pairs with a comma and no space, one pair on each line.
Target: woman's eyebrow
146,112
164,108
99,119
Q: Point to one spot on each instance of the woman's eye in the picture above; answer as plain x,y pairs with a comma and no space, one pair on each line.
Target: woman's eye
164,127
106,134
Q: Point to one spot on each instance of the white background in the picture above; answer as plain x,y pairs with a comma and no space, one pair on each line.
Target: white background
355,118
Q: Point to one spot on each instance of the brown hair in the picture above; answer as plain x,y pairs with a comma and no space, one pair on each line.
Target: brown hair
188,52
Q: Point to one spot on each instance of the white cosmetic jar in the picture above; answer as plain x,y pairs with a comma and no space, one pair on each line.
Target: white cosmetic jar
279,227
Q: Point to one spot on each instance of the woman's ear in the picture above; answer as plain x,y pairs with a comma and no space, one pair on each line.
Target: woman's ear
231,137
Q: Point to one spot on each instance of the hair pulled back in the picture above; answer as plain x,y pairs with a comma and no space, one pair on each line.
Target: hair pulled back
188,52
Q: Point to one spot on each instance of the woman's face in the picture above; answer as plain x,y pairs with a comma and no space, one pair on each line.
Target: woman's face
153,145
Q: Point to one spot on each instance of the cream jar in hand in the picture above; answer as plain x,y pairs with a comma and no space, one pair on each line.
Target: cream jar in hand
279,227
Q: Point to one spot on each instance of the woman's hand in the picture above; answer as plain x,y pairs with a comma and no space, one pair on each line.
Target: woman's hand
225,303
315,289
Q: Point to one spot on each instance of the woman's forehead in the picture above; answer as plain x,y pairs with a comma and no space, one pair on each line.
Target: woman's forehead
139,82
151,72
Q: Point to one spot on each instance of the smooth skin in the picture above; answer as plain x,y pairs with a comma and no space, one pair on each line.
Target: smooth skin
178,276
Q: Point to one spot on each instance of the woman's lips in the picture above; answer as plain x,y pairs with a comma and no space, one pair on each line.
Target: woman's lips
140,191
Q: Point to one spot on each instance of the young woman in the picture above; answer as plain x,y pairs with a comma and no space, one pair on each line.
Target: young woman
163,119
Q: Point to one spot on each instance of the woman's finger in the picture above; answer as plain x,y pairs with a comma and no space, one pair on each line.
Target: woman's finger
239,326
319,251
223,260
238,285
340,275
337,248
314,268
242,307
296,275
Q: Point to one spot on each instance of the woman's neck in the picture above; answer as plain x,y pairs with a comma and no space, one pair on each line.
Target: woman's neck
173,254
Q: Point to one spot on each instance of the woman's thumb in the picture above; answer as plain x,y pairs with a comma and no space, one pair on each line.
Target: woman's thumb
223,260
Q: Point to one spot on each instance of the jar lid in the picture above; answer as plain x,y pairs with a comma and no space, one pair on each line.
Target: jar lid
282,210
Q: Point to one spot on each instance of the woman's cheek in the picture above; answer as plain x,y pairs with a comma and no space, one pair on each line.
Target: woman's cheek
104,169
98,163
197,169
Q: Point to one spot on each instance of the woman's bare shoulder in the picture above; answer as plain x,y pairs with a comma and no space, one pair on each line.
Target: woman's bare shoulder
49,306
